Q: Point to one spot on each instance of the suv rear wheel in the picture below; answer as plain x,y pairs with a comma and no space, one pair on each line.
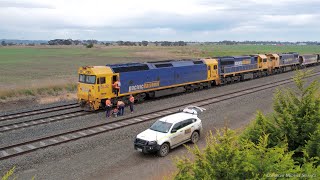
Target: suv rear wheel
195,137
164,149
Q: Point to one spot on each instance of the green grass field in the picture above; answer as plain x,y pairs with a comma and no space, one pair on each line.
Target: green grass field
23,68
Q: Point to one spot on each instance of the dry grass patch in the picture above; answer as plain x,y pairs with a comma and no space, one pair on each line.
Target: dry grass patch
56,90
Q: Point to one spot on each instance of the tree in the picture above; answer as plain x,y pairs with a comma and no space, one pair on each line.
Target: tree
220,159
297,112
89,45
225,157
312,148
144,43
3,43
120,43
296,115
260,126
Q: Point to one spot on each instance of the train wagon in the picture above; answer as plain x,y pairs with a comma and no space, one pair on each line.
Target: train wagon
308,59
142,79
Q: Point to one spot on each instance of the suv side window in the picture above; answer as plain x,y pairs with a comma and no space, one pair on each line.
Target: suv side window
177,126
187,122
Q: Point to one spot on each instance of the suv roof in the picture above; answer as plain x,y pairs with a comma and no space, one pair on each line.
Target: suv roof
187,113
174,118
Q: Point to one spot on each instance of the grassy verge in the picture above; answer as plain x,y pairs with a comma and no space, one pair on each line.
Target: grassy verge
41,70
41,91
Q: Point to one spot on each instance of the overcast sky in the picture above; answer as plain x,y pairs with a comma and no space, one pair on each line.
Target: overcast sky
136,20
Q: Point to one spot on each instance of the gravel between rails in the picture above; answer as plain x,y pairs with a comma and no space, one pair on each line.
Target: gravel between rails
112,152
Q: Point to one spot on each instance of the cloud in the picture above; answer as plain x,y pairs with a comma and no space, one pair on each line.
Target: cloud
196,20
24,4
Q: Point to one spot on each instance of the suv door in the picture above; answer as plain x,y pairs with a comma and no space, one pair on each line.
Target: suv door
176,137
188,128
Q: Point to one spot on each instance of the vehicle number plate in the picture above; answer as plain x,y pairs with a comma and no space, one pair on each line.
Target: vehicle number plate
140,150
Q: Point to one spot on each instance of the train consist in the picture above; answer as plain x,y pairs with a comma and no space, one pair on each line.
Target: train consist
142,80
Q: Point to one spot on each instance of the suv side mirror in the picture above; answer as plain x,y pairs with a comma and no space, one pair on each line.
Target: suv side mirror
173,131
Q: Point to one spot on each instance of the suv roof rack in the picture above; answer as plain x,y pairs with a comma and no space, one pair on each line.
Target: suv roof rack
193,110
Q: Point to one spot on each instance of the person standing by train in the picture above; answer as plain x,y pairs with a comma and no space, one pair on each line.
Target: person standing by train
108,107
120,105
116,85
131,101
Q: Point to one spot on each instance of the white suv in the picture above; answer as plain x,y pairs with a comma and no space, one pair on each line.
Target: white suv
170,132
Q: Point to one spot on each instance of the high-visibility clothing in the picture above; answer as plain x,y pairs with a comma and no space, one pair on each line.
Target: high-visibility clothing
108,102
116,85
131,99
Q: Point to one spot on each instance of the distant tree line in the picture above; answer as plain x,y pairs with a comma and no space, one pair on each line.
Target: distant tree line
71,42
4,43
263,43
119,43
146,43
156,43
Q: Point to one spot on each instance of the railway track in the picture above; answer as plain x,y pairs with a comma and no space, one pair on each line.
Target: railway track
43,120
61,138
11,116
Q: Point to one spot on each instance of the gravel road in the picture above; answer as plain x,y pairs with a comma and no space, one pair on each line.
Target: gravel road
111,155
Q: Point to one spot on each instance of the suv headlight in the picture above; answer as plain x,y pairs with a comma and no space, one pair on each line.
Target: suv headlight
152,142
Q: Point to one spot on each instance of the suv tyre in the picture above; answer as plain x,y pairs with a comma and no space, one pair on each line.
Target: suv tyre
164,149
195,137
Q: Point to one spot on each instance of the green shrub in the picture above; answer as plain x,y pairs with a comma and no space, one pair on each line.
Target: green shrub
225,157
28,92
71,87
9,174
42,91
57,89
312,148
89,45
296,115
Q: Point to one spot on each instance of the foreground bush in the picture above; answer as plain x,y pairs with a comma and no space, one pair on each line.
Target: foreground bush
227,157
295,118
282,145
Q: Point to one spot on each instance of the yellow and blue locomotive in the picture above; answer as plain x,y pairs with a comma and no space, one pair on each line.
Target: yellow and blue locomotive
142,79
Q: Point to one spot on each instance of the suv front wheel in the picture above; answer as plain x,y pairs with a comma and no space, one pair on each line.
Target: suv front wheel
195,137
164,149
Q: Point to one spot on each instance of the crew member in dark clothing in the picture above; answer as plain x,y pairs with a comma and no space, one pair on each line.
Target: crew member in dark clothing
131,101
108,107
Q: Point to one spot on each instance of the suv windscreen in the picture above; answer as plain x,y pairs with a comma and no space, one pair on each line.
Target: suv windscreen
161,126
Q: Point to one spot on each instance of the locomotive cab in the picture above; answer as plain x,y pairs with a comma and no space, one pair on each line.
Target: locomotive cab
94,86
274,60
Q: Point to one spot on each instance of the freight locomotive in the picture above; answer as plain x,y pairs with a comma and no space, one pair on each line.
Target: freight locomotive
142,80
